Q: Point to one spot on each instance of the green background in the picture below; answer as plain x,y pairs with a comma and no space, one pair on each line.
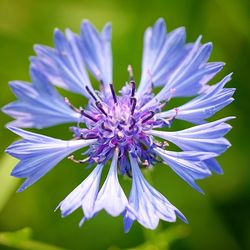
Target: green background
218,220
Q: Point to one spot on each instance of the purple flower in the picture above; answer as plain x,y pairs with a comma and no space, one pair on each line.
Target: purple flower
130,129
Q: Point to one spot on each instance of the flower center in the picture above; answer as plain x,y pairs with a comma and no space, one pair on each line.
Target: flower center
118,119
117,122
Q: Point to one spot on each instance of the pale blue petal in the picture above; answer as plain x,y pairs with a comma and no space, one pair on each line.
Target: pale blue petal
206,137
190,76
154,39
128,220
111,196
96,50
161,54
188,165
38,154
64,65
205,105
214,166
148,203
39,105
83,195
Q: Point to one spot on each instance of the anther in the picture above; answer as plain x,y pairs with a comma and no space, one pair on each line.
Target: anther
132,82
133,123
119,126
165,144
145,163
83,113
100,107
162,144
105,128
113,92
174,116
133,104
66,100
96,159
89,137
130,71
120,135
91,93
72,158
149,117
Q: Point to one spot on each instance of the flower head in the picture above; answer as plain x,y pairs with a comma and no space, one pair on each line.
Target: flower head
129,128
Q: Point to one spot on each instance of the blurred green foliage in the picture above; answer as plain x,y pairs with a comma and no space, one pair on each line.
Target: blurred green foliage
22,240
218,220
8,184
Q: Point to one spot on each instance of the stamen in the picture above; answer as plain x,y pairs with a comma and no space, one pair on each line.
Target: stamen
72,158
105,128
113,92
119,126
120,134
133,104
88,116
162,144
152,113
145,163
96,159
89,137
99,106
132,82
71,105
130,71
173,117
133,123
91,93
163,104
165,144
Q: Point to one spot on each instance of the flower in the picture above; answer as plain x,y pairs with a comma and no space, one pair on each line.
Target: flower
131,129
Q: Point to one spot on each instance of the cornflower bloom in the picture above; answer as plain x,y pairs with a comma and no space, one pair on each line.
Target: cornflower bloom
131,130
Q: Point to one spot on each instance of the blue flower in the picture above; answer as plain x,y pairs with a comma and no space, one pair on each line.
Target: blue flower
131,129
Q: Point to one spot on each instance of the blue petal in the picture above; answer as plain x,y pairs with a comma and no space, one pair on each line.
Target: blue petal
38,154
188,165
190,76
128,220
149,204
204,105
154,39
39,104
96,49
111,196
161,54
206,137
84,195
64,65
214,166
